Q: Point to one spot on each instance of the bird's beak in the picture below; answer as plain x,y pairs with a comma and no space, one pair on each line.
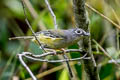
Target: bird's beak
87,34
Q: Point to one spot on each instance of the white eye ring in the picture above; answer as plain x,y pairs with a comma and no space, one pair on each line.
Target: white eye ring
78,31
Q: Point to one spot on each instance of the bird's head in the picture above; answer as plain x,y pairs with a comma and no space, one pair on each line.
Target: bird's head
75,34
79,32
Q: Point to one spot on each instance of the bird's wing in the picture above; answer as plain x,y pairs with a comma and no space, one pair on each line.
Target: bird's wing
51,34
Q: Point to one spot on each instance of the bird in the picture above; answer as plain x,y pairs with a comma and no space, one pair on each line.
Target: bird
57,39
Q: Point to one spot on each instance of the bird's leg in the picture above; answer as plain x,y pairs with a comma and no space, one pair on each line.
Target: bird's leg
67,62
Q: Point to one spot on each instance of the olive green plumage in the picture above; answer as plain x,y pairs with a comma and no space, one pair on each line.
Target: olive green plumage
57,38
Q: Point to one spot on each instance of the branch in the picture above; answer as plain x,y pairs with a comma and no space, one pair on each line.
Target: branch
57,52
82,21
26,19
25,66
54,61
102,15
80,14
33,13
52,13
55,27
29,55
106,53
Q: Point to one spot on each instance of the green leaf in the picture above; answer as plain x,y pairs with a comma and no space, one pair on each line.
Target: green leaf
64,75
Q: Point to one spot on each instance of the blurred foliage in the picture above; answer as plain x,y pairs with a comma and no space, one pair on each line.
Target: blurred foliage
12,23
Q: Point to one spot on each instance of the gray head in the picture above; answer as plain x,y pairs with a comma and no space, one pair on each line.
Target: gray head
74,35
79,32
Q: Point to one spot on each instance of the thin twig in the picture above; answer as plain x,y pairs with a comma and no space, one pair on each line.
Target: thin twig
33,13
68,66
90,52
52,53
52,13
30,56
25,66
56,61
37,57
105,17
26,19
106,53
30,8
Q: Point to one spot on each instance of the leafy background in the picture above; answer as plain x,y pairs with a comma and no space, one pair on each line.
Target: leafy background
12,23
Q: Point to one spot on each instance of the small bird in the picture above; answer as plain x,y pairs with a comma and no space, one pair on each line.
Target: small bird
57,39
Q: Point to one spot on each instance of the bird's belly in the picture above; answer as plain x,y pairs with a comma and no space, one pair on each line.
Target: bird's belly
56,44
52,43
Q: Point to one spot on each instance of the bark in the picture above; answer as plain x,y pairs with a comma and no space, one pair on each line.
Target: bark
82,21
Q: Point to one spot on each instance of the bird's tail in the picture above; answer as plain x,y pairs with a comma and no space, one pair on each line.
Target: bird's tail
22,37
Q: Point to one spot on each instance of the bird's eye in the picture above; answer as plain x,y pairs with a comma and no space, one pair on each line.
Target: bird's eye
78,31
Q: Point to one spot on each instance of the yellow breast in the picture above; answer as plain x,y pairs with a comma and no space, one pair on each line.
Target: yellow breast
48,41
